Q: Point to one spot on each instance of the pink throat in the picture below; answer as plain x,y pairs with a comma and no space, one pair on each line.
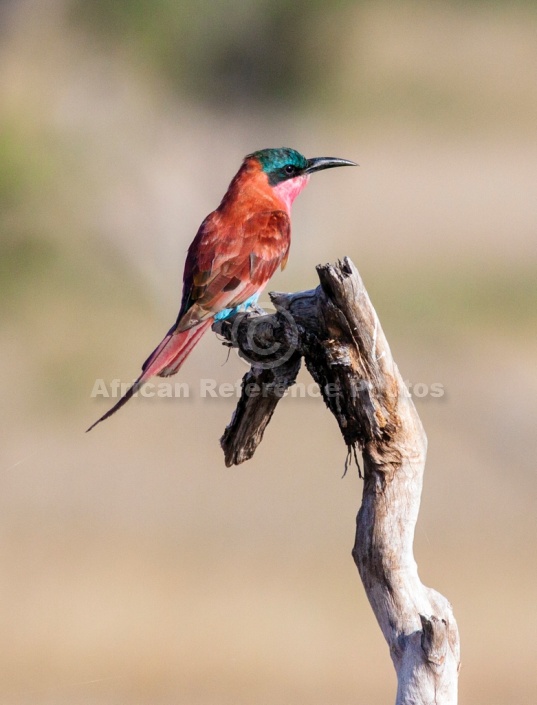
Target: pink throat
288,190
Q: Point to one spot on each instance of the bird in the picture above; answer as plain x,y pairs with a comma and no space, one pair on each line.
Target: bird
237,249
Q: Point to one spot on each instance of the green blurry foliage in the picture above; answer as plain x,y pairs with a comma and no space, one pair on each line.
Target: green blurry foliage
234,52
12,173
24,260
27,178
413,62
23,170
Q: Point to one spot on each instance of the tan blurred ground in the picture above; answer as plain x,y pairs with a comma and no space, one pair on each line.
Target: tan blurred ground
135,568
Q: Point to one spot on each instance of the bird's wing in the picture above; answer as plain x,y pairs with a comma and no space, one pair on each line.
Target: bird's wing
224,269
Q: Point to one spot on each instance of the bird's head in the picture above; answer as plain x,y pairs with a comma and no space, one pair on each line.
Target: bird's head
288,171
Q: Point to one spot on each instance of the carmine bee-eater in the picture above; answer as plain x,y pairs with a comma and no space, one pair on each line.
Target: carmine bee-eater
237,249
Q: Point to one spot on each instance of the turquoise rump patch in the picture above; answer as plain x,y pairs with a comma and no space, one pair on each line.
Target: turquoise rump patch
227,312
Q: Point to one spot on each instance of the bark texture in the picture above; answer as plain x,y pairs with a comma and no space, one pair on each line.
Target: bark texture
335,329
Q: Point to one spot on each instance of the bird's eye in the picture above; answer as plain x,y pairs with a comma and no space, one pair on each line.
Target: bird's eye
289,169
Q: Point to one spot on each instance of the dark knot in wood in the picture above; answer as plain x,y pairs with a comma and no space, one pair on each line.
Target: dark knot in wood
264,340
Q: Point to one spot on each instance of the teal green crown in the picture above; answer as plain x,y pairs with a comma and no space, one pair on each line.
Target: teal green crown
280,164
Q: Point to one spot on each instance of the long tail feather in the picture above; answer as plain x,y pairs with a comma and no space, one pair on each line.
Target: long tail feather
164,361
124,399
192,337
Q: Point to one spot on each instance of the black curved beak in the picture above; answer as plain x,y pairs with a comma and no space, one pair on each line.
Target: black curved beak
318,163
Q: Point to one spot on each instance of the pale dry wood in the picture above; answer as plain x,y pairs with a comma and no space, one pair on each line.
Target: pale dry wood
336,330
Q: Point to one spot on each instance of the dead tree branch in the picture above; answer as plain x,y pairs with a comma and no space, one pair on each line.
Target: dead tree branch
336,330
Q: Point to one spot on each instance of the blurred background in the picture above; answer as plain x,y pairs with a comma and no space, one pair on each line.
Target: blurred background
136,568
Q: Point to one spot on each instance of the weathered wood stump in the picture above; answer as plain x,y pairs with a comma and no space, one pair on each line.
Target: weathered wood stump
335,329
